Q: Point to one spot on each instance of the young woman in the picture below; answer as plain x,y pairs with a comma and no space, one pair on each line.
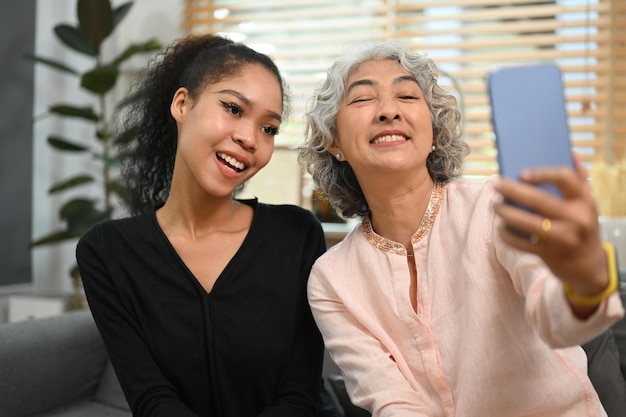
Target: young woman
433,306
200,297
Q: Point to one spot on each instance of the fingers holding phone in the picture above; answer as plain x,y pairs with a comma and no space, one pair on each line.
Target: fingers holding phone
564,232
535,218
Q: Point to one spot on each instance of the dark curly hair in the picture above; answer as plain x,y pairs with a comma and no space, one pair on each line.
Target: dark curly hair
192,62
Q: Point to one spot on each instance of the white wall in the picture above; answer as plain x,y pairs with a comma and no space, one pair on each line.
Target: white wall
147,18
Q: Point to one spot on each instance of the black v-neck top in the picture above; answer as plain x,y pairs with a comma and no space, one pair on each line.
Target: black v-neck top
250,347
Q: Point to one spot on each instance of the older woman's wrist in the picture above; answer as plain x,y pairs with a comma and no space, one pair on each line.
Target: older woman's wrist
594,296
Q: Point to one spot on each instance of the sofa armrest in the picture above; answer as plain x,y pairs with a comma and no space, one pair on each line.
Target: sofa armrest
49,362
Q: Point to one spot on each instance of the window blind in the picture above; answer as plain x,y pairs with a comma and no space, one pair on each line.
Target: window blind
586,38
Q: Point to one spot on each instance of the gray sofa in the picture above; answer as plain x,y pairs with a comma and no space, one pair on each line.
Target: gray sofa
57,367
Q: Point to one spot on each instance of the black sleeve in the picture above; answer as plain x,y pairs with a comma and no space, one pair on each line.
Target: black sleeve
298,392
146,389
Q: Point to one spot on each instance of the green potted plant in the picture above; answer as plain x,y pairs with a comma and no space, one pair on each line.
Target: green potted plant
97,20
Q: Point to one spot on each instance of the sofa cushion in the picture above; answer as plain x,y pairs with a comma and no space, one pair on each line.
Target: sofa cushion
87,409
49,363
338,386
109,390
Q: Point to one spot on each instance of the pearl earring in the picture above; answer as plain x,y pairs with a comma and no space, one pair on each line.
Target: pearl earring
434,148
338,156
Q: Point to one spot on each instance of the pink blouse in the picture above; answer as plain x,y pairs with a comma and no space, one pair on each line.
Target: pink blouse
493,335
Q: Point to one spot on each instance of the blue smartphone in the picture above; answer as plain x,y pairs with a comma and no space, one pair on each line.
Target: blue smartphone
529,119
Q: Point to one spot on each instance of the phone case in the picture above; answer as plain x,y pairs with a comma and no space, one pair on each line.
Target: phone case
529,119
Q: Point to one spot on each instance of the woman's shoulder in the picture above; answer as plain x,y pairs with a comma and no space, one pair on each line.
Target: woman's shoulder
471,189
288,223
470,184
121,228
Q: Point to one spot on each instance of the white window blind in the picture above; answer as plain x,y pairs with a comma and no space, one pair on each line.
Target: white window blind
587,38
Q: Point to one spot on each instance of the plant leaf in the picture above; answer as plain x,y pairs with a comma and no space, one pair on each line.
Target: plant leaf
73,111
151,45
100,79
55,237
62,144
77,205
74,272
120,12
95,19
51,63
71,183
76,40
110,162
80,214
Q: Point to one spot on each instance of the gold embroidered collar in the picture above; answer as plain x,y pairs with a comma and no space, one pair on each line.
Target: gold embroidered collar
436,198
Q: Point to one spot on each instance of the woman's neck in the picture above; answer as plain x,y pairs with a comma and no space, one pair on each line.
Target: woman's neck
197,217
396,213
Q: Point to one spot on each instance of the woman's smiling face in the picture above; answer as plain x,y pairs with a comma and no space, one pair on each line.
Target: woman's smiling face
226,135
383,122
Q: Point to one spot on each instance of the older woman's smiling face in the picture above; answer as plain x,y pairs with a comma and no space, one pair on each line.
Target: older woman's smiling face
383,123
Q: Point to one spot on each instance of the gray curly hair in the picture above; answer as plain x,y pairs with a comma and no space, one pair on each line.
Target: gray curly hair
335,179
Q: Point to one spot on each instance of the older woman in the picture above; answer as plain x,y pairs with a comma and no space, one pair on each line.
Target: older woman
445,301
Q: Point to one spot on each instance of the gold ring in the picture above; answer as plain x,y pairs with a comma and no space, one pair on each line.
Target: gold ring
546,225
542,236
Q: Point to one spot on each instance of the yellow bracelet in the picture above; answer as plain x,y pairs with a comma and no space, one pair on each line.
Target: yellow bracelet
592,300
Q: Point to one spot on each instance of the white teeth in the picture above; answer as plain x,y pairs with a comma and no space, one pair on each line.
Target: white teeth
231,161
389,138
